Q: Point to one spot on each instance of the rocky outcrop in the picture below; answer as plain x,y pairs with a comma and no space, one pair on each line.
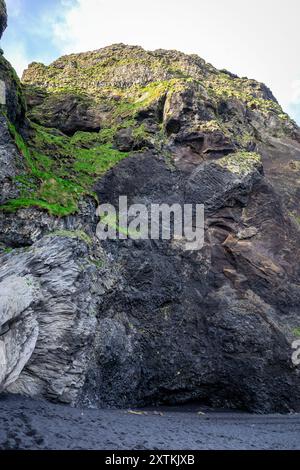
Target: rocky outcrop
19,328
50,297
14,100
10,163
67,112
135,322
211,325
143,322
12,113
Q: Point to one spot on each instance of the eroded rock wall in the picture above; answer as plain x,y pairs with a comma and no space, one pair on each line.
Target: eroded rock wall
135,322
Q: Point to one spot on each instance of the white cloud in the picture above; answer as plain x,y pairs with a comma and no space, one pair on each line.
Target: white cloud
254,38
296,92
14,7
29,35
18,58
294,105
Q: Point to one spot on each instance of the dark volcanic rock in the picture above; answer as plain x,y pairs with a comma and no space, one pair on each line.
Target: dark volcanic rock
10,163
12,113
135,322
67,112
14,100
209,325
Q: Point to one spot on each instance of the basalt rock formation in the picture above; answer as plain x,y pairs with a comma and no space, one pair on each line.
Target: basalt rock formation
135,322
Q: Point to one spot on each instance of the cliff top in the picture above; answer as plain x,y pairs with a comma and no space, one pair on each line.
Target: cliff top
121,67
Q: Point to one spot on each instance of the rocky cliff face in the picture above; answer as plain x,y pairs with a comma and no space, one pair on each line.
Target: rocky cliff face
12,112
133,322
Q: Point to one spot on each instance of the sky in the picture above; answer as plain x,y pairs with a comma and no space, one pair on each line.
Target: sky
257,39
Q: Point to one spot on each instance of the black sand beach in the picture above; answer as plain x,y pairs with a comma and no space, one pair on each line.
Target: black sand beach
35,424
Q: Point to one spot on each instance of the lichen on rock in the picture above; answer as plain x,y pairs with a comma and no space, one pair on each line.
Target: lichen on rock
241,163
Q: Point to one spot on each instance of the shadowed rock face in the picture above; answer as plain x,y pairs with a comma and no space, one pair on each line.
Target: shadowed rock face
10,87
210,325
12,111
3,17
131,322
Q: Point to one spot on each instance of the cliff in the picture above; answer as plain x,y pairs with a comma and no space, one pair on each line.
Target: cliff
133,322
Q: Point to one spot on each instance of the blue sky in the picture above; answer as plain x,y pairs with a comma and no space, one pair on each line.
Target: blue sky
29,36
255,38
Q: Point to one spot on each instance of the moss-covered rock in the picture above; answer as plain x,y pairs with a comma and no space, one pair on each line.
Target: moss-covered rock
66,111
132,323
12,112
127,80
59,169
165,323
241,163
90,110
12,100
14,105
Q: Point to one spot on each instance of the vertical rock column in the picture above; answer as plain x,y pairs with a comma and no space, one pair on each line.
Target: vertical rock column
3,24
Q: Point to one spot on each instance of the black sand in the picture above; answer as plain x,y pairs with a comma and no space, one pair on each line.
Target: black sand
34,424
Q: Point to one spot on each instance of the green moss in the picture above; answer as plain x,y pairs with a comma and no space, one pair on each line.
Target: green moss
7,250
240,163
98,75
295,216
296,332
140,134
224,86
139,98
210,126
79,234
8,74
108,77
98,263
90,139
53,209
60,171
245,139
96,161
21,145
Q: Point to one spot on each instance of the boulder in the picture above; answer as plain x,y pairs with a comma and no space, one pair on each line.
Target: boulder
48,314
67,112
